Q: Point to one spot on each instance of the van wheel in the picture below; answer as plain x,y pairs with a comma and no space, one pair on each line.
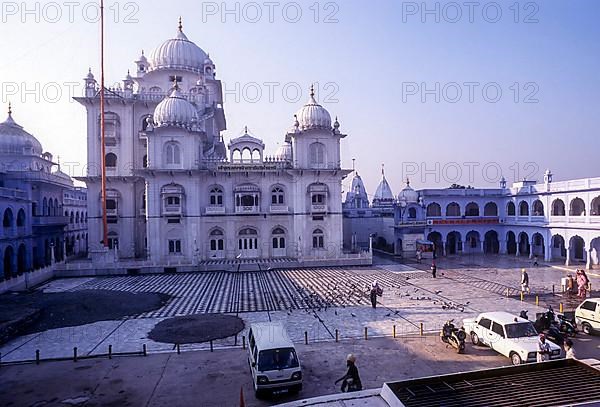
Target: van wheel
515,358
259,393
587,328
296,389
475,339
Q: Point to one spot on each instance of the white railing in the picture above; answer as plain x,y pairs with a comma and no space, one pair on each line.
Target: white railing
172,210
12,193
318,208
247,209
278,209
212,210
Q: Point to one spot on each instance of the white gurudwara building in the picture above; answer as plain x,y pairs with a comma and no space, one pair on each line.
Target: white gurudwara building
180,198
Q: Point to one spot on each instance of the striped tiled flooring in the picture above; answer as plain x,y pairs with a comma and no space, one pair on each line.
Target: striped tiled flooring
273,290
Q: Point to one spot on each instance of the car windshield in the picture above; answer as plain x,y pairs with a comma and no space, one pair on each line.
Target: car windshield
520,330
277,359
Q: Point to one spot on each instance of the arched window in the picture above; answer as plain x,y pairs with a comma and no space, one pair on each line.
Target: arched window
317,155
77,217
412,213
278,240
453,209
45,207
277,196
71,218
577,207
490,209
523,209
511,210
558,207
21,218
50,207
434,209
217,243
318,239
216,196
7,219
110,160
537,208
472,209
595,209
173,154
57,209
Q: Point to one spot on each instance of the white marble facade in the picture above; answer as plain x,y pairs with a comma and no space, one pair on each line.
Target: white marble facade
549,220
176,193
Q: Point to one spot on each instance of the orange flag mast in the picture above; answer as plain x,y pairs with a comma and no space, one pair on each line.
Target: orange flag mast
102,129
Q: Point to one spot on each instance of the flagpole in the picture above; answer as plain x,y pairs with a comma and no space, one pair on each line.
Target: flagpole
102,129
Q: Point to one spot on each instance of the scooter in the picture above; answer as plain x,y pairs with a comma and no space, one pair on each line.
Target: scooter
454,336
567,326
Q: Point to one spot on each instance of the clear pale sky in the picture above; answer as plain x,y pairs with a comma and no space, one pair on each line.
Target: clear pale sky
376,54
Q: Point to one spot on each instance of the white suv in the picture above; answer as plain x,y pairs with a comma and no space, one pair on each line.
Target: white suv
511,336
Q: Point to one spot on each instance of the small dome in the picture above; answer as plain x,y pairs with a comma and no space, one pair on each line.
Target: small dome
175,110
408,194
357,191
284,152
15,140
312,115
177,53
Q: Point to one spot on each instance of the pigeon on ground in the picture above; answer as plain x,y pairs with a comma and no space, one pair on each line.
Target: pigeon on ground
352,314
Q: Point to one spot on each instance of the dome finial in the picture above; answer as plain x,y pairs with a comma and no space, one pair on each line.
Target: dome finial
245,129
383,170
9,109
175,84
180,26
407,182
312,90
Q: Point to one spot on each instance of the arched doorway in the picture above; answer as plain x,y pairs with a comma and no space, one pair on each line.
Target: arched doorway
577,249
511,243
595,252
453,243
524,244
491,244
436,238
47,252
8,262
22,259
538,248
558,247
473,242
248,243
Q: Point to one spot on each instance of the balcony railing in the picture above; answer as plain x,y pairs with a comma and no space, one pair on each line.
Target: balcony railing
279,209
50,220
12,193
214,210
172,210
247,209
318,208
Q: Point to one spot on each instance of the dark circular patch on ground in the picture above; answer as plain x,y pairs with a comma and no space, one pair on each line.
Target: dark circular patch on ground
58,310
196,328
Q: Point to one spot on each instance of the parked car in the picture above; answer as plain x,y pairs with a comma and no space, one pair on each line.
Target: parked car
587,315
272,357
509,335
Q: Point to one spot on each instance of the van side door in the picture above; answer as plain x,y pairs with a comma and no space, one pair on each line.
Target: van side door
590,312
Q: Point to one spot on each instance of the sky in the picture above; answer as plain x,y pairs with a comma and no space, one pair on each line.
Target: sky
440,92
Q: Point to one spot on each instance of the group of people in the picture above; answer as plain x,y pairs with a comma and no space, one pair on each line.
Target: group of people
581,280
543,351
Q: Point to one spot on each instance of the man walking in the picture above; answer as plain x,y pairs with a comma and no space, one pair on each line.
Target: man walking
525,282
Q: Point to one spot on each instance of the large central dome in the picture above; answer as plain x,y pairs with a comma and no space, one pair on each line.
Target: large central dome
177,53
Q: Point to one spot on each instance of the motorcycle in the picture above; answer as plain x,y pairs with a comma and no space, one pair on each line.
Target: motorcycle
565,325
454,336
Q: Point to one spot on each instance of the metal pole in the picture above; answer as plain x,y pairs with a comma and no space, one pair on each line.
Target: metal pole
102,130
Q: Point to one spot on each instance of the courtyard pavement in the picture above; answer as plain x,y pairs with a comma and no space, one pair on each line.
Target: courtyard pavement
311,302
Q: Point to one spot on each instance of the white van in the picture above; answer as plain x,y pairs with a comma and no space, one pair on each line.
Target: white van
587,315
272,357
